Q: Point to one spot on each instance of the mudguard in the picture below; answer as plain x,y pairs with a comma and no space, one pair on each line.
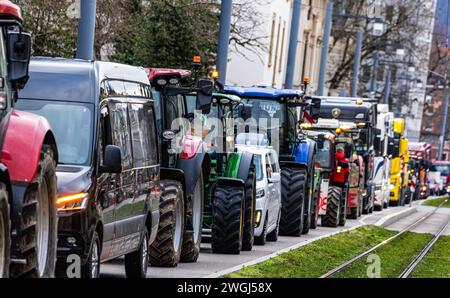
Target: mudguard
244,165
173,174
230,181
192,168
23,143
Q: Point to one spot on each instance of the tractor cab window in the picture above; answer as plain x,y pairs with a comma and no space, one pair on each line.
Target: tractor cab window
157,105
323,157
4,102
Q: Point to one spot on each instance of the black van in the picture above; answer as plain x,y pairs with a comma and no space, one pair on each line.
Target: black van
108,176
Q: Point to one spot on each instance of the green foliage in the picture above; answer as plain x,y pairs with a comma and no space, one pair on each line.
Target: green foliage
168,35
437,263
437,202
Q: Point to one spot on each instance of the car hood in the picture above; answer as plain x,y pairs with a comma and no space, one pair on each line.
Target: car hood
73,179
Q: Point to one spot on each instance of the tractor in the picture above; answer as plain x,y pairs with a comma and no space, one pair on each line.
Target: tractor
185,168
230,191
29,155
279,112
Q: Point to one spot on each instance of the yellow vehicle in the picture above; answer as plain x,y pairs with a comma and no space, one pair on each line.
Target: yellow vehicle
398,148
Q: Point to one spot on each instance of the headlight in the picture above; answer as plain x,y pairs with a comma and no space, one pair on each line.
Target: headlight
260,193
392,186
72,202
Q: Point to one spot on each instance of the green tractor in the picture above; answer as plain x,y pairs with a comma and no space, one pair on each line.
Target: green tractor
230,193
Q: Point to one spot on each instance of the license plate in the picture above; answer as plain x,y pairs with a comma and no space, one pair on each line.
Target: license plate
323,196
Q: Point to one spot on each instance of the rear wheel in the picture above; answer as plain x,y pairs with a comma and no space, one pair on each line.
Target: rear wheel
136,263
228,217
331,218
250,204
5,240
166,249
191,241
344,206
39,222
293,194
315,209
308,205
353,213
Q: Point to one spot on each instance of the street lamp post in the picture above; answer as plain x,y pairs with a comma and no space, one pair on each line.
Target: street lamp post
86,30
357,63
224,38
325,49
293,40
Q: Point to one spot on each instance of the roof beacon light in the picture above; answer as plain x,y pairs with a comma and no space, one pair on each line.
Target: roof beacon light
359,101
215,74
197,59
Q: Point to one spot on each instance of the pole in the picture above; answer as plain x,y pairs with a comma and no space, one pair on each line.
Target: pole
444,122
373,75
387,86
293,41
325,48
357,64
224,38
86,30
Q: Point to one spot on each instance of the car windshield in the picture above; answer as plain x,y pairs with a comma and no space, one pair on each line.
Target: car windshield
72,124
323,155
259,167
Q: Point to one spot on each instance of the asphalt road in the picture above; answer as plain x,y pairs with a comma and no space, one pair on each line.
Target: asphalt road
210,264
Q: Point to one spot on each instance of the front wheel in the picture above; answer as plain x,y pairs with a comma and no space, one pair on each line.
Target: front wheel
92,267
331,218
166,249
136,263
250,209
308,206
39,222
293,194
5,240
228,216
192,240
344,207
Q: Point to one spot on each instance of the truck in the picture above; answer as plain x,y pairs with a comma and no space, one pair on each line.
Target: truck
420,161
363,113
399,189
185,167
442,167
382,175
29,155
280,112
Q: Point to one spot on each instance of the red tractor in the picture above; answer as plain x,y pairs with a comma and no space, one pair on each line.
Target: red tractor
28,219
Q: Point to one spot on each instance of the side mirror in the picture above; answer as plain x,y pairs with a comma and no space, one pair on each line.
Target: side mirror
204,96
321,142
19,54
276,178
112,163
246,112
315,108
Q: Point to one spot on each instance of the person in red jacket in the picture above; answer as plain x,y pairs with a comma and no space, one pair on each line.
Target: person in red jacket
342,170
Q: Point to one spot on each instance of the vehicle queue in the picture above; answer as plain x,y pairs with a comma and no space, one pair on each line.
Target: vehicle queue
135,181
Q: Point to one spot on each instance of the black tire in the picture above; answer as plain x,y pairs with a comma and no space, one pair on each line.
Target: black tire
273,236
394,203
136,263
293,194
248,237
343,213
5,232
261,240
378,208
192,240
385,205
353,214
228,216
92,267
308,205
165,251
331,218
315,212
39,204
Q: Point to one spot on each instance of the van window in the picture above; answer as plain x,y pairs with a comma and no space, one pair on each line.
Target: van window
150,115
121,132
141,135
258,167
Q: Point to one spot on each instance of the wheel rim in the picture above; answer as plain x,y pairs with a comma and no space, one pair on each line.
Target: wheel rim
196,206
178,221
144,256
94,261
43,227
2,244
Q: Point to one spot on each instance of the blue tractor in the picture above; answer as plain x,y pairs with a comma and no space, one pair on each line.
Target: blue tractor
279,113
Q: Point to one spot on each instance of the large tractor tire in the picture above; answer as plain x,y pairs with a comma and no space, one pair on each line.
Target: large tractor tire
315,209
39,222
344,208
293,194
331,219
250,210
308,204
228,219
166,249
5,230
192,240
353,214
